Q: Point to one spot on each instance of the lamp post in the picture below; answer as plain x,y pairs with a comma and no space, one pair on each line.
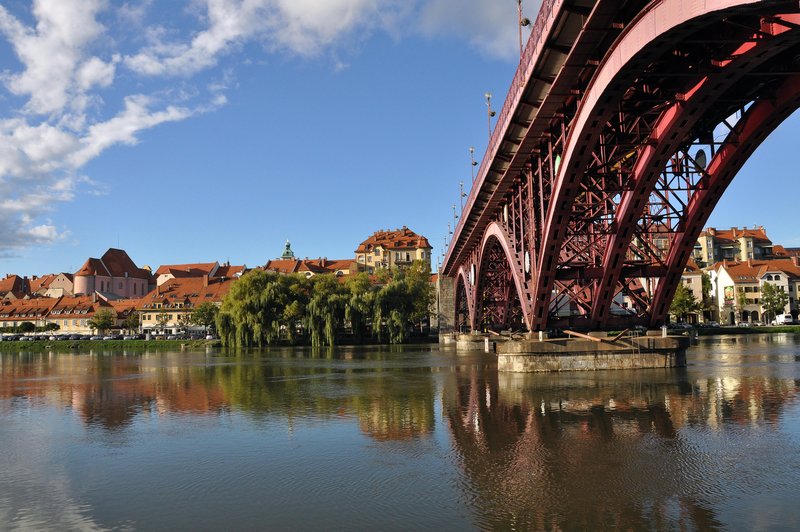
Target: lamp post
489,113
455,216
473,162
523,22
461,194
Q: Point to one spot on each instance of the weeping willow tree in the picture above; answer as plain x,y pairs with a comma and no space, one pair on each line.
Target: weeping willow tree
359,304
263,308
259,309
325,309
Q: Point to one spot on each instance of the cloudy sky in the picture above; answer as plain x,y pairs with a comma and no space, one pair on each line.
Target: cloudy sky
210,130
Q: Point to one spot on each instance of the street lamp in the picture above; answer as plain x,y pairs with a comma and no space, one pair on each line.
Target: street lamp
489,112
455,216
462,194
523,22
472,160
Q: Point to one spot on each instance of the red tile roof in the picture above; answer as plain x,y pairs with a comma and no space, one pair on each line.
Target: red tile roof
758,234
403,238
194,270
113,263
192,290
15,284
752,270
320,265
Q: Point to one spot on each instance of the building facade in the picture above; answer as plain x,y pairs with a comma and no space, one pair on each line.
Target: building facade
392,249
114,274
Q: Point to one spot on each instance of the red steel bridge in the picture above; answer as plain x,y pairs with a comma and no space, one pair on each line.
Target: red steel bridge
623,126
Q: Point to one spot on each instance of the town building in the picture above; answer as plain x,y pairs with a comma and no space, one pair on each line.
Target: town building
166,309
14,312
735,244
392,249
288,264
736,287
52,285
14,287
115,275
212,269
72,314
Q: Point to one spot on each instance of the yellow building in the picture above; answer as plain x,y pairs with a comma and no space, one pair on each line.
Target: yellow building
392,249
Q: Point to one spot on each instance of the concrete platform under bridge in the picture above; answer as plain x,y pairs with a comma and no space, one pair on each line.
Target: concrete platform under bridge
580,352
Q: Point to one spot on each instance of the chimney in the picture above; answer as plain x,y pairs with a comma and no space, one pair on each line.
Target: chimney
205,280
734,231
749,263
795,260
94,297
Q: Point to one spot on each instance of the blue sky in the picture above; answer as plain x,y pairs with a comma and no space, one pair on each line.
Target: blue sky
216,129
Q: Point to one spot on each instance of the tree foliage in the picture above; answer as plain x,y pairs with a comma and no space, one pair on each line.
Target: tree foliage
204,315
263,308
684,302
103,319
773,299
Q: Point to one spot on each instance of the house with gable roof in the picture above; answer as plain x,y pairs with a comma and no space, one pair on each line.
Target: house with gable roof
737,287
114,274
392,249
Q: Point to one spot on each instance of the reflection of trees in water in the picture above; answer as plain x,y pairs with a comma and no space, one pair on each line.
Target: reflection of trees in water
389,403
593,449
110,391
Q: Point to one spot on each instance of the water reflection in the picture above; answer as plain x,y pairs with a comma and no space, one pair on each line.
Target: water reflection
390,403
633,450
399,439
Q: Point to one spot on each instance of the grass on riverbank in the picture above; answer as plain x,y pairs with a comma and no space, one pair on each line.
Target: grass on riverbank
86,345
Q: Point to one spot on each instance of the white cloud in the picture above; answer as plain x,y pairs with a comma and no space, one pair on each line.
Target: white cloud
73,104
52,51
490,27
300,27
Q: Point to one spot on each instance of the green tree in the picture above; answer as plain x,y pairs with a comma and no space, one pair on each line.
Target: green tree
254,312
683,303
103,319
162,318
50,326
741,302
325,311
773,299
26,327
132,321
204,315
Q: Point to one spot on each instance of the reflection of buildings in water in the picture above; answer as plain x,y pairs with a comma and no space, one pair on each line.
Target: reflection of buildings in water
107,391
607,442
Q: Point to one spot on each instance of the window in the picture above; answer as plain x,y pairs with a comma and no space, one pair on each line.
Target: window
74,323
134,289
120,284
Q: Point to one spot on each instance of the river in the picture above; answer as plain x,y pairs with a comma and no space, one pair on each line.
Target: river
414,437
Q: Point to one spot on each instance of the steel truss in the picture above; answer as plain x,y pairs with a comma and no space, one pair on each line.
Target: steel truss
596,226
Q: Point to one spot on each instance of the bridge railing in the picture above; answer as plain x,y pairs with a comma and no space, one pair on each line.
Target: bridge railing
530,54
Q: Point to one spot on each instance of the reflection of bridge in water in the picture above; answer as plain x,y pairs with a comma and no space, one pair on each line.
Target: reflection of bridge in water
626,450
623,126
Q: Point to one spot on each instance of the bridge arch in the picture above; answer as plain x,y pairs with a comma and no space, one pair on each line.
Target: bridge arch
655,33
500,292
465,308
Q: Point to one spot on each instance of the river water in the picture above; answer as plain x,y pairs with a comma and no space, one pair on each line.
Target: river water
399,439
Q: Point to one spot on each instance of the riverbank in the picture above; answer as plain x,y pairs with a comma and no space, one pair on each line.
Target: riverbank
86,345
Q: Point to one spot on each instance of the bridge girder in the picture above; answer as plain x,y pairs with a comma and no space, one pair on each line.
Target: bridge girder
604,192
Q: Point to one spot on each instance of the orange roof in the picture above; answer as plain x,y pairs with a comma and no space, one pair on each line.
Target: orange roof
43,282
230,271
403,238
113,263
195,270
14,284
780,251
191,290
77,307
758,234
752,270
320,265
18,309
